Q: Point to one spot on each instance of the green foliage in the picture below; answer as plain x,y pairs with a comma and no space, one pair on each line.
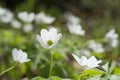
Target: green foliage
94,78
37,78
116,71
109,67
115,77
88,74
52,78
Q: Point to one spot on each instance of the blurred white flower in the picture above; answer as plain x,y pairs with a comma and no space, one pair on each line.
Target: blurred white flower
19,56
72,19
26,17
87,63
27,27
112,38
48,39
85,52
114,43
96,47
42,18
6,16
2,11
75,29
111,34
16,24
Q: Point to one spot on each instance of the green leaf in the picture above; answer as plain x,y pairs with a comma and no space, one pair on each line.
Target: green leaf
105,67
37,78
117,70
109,67
52,78
58,78
106,76
95,78
115,77
89,73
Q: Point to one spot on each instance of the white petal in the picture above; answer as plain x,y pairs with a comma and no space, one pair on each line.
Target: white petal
100,61
31,17
92,62
59,36
19,56
16,24
76,58
83,61
41,41
27,28
23,16
14,54
42,18
45,35
23,57
92,59
53,34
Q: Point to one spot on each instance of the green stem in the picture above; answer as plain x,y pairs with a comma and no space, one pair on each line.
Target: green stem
8,69
36,61
51,65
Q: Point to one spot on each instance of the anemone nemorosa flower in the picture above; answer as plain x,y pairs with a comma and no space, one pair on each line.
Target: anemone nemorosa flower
16,24
42,18
75,29
27,27
112,38
95,46
72,19
26,17
87,63
6,15
48,39
19,56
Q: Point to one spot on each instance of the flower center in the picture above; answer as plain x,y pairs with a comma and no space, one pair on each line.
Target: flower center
49,42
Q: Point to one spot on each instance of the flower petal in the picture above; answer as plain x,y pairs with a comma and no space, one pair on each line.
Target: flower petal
44,35
76,58
92,62
14,54
53,34
31,17
19,56
59,36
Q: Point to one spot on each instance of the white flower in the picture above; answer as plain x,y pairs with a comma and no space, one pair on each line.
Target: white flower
96,47
26,17
48,39
112,38
16,24
19,56
27,28
75,29
42,18
72,19
85,52
6,16
111,34
2,11
87,63
114,43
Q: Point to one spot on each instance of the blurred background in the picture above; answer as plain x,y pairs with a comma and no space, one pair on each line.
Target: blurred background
95,18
